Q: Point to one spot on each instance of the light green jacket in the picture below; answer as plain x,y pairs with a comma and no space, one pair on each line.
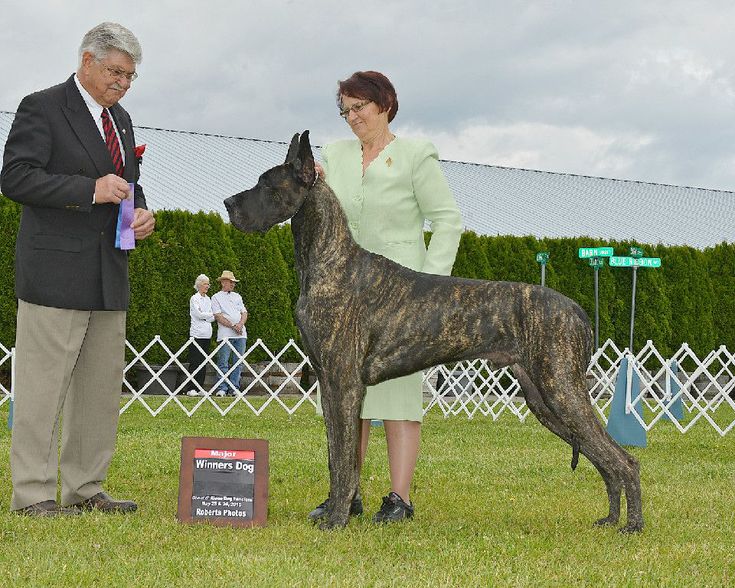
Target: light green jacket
386,207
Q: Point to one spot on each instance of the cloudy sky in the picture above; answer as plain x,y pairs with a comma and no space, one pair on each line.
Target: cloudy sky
639,90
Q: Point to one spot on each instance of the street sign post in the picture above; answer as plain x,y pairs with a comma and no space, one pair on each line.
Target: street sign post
622,424
635,260
542,257
596,257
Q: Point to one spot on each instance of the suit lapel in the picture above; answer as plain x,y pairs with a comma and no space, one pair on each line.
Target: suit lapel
85,128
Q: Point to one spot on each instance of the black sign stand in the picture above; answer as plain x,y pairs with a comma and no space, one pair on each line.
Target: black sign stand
223,481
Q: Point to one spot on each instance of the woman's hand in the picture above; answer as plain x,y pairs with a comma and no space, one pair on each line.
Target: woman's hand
319,170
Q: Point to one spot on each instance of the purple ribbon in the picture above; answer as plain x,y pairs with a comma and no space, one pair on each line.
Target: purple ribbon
124,235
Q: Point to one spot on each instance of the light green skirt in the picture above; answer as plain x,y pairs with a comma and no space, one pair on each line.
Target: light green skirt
400,399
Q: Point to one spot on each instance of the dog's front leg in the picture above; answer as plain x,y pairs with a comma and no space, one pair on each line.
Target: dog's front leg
341,405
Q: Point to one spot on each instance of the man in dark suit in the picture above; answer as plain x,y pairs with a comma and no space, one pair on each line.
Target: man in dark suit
68,160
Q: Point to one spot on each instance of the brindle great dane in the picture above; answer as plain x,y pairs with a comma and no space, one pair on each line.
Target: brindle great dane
365,319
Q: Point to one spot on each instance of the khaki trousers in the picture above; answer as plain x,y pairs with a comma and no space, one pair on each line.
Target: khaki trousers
70,363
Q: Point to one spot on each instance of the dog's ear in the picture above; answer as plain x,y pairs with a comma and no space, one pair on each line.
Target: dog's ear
304,163
293,149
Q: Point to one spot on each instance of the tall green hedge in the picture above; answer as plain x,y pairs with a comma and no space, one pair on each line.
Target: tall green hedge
689,299
9,219
720,264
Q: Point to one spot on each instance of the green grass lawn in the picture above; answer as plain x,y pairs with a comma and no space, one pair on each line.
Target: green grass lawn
496,505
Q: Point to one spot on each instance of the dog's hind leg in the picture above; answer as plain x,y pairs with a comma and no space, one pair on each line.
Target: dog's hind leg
549,419
613,482
568,399
534,400
619,470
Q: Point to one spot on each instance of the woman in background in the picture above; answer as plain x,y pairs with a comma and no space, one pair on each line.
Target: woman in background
200,311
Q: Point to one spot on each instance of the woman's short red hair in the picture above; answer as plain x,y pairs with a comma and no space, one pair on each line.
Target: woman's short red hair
370,85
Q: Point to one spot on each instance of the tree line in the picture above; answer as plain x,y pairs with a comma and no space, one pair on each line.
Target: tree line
690,299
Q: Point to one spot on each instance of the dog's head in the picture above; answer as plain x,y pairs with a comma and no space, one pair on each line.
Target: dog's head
279,193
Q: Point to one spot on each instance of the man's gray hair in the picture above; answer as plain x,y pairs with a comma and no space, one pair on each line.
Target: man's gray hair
201,278
110,36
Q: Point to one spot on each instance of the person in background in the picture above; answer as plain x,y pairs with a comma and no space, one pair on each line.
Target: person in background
231,316
200,329
70,161
389,186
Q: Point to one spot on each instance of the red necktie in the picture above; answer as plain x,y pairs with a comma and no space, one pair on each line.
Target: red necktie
112,143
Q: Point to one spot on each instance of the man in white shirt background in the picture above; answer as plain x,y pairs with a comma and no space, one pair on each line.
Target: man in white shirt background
231,316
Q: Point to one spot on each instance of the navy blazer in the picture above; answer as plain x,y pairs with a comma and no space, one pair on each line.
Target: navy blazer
65,255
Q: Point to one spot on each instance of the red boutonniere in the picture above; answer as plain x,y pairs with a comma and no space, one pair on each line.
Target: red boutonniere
139,150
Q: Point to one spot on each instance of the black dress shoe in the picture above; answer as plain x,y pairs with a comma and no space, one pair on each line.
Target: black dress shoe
47,508
105,503
320,511
393,509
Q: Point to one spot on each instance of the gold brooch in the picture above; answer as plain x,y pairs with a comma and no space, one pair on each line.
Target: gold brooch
389,162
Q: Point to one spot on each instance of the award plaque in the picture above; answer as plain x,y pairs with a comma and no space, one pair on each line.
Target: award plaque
223,481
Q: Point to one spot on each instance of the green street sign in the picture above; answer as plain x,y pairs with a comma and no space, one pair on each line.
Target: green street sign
636,252
621,261
635,262
542,257
648,262
597,262
586,252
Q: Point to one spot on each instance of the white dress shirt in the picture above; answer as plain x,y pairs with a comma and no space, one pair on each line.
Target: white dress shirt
96,111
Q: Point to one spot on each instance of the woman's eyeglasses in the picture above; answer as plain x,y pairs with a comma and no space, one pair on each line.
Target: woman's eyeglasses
357,107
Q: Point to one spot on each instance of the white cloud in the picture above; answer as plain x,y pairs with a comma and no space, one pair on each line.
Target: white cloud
642,90
541,146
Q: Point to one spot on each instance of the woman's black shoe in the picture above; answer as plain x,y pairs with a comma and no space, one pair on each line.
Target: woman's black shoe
393,509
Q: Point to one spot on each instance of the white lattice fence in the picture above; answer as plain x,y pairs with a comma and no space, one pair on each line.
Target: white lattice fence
6,363
704,388
263,383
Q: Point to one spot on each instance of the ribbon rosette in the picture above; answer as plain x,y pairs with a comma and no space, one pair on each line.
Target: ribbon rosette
139,150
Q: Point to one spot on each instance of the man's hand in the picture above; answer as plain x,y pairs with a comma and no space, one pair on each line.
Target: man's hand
143,223
110,188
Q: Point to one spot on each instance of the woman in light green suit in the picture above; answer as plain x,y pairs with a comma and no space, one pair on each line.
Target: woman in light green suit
389,186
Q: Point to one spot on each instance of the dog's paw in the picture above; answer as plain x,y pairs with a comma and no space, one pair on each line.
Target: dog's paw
329,524
632,527
608,521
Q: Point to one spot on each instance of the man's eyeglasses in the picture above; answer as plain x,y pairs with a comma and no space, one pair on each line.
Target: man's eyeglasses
345,112
118,73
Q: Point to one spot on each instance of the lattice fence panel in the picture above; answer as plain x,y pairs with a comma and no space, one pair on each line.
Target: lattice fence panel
703,388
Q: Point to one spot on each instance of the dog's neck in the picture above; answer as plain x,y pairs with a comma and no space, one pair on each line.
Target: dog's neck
320,233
